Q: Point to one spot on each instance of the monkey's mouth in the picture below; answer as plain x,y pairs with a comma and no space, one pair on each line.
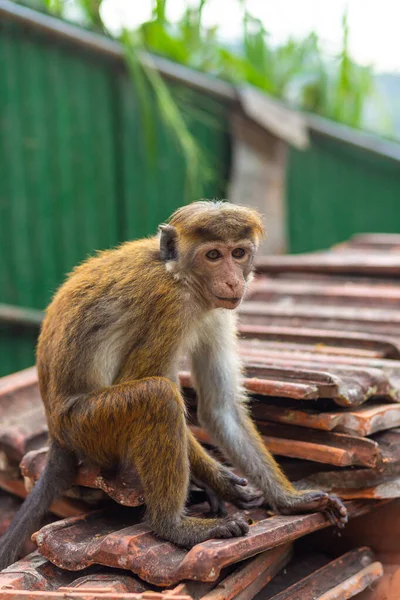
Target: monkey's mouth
231,300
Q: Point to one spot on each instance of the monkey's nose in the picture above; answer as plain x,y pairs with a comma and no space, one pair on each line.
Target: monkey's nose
233,290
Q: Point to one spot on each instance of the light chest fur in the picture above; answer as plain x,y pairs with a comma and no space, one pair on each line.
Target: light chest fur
125,352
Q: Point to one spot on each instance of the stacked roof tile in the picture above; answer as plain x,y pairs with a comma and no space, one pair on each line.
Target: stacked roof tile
320,343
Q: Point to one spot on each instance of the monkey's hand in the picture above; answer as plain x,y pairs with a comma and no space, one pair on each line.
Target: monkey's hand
237,492
231,488
234,489
316,501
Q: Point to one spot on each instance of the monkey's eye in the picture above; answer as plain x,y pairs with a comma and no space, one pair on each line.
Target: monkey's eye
213,254
238,253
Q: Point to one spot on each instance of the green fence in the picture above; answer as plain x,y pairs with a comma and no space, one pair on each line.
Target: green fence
336,188
74,176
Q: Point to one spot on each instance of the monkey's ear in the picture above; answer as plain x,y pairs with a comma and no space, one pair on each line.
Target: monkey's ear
168,243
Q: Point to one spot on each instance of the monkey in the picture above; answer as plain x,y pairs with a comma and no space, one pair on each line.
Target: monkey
107,361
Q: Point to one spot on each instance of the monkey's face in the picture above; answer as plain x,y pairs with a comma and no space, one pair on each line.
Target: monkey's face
211,246
224,270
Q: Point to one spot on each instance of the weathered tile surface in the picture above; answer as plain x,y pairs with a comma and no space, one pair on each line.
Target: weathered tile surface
362,421
37,575
343,578
284,290
297,442
359,263
22,422
115,539
373,321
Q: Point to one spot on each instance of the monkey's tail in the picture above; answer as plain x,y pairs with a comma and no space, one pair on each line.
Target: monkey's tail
56,478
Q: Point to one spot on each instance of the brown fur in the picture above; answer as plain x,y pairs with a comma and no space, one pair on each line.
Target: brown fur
220,220
107,357
107,364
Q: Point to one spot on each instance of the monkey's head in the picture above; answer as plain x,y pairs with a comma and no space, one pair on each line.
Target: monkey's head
211,246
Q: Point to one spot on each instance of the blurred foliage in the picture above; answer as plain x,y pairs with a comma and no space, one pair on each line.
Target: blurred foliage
297,71
174,111
339,90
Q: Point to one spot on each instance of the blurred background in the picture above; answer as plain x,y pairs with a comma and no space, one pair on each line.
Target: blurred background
113,113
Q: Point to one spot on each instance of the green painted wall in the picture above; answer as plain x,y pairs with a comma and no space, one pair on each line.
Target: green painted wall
73,172
335,189
74,176
58,196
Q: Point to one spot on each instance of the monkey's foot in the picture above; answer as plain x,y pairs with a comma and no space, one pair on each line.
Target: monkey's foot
193,530
233,526
329,504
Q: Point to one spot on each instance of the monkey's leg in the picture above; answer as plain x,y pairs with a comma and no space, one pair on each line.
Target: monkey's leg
142,423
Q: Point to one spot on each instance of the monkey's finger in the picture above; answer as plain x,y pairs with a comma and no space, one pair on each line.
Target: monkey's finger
237,525
234,528
222,511
336,515
217,505
242,481
231,527
338,509
236,480
335,519
213,503
341,521
331,517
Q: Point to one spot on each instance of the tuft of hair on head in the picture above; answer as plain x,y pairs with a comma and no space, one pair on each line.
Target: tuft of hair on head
218,220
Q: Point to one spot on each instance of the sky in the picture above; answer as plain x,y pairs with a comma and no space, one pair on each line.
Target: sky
374,24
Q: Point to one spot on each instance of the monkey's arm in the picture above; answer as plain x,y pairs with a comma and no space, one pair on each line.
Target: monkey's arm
223,412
